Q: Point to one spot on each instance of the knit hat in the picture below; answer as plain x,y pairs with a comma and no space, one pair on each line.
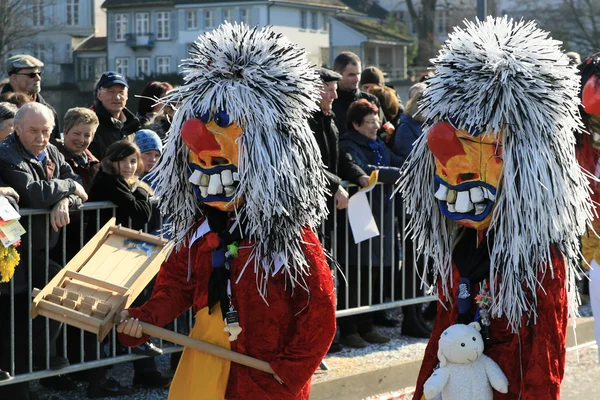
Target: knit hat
148,140
372,75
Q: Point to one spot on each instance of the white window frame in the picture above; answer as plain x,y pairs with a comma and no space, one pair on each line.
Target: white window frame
303,19
122,66
39,51
121,21
441,20
142,23
227,15
73,12
85,69
325,22
191,19
314,21
37,13
245,15
163,64
99,67
163,25
141,64
209,19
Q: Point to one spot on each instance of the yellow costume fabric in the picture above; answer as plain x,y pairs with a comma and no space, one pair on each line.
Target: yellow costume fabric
201,376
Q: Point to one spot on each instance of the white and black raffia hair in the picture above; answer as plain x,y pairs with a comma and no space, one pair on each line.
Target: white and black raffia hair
269,88
505,76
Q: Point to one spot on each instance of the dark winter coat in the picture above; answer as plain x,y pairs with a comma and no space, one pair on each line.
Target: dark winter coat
134,204
356,146
405,136
86,171
39,185
112,130
39,99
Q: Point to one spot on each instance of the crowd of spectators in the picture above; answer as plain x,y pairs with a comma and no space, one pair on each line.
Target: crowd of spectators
105,152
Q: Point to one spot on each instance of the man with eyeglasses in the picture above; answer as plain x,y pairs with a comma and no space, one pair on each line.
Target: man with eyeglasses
25,76
116,121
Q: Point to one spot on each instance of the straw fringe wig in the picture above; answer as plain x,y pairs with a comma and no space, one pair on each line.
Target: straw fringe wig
505,76
268,87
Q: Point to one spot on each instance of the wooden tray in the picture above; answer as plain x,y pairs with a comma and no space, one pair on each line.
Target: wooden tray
103,278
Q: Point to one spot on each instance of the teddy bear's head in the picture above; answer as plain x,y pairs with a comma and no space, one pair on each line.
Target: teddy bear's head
460,344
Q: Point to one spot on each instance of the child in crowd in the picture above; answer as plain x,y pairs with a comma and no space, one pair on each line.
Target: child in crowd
150,147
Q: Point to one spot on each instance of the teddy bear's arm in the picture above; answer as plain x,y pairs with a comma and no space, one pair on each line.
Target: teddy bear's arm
436,382
495,375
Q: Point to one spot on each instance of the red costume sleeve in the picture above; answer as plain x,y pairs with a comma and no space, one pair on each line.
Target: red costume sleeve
172,295
315,323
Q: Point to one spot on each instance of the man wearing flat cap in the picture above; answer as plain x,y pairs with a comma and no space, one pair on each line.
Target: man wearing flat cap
25,76
116,121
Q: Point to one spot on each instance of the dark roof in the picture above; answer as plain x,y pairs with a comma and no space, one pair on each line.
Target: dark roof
368,7
93,44
129,3
373,30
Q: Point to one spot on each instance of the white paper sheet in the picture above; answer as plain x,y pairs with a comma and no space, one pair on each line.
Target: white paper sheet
360,216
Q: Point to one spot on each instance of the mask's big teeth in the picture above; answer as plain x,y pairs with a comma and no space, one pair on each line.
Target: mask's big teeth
204,191
451,208
196,177
476,194
451,197
463,204
226,177
204,180
480,208
489,195
229,191
441,193
215,186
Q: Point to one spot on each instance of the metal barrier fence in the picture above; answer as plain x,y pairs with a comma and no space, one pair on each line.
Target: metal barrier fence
378,283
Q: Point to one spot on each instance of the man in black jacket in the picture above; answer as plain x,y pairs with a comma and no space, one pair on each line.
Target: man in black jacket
116,121
25,76
348,65
37,171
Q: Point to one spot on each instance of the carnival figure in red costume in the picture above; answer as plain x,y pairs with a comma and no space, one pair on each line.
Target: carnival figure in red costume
242,184
498,200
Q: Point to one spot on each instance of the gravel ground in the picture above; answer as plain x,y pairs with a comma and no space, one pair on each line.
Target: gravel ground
580,376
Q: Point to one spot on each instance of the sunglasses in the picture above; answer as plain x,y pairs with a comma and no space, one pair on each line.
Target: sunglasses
32,75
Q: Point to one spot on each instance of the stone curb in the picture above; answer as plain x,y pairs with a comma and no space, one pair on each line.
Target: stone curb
361,385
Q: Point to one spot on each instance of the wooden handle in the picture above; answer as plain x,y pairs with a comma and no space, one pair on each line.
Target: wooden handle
208,348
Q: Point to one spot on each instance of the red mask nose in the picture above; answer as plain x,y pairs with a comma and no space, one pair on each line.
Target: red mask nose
590,97
443,143
197,137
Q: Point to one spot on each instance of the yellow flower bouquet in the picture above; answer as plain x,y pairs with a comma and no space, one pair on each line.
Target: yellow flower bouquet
9,259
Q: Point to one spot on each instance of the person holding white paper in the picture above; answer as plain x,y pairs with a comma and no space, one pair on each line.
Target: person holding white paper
362,145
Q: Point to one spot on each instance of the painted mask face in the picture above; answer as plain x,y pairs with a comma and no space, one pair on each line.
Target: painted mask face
590,96
468,173
213,160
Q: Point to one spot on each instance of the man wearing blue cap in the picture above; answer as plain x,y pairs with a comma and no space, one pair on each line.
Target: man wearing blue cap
116,121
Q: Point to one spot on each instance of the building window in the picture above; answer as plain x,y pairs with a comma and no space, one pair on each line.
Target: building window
303,20
191,19
85,69
142,24
39,52
122,66
163,65
120,27
314,21
142,67
325,22
399,16
209,19
100,67
227,15
72,12
245,16
162,25
37,12
440,22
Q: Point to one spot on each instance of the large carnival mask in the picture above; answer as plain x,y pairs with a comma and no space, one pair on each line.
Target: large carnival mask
213,159
468,173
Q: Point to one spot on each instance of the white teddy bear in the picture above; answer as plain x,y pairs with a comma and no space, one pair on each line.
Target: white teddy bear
465,372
